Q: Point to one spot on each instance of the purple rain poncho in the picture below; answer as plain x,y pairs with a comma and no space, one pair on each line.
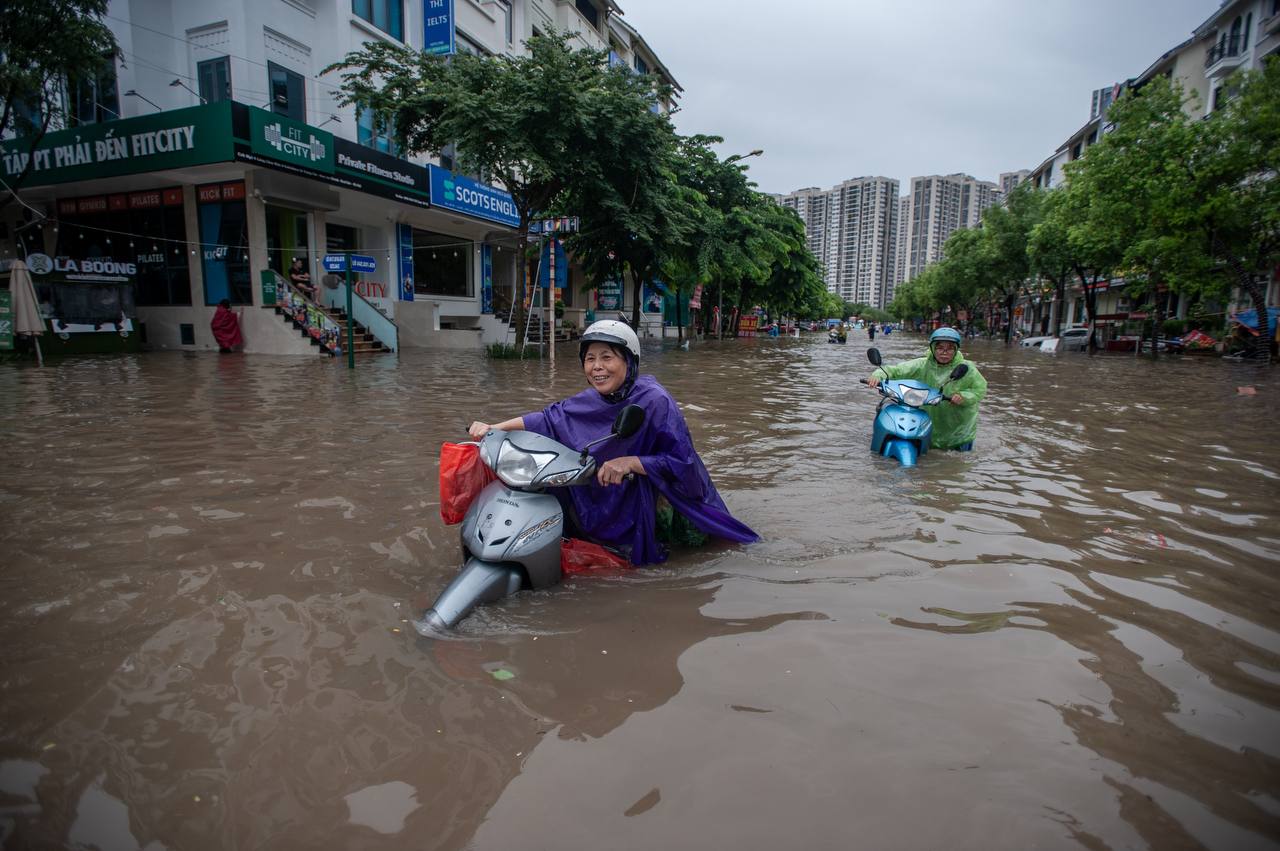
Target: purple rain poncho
623,516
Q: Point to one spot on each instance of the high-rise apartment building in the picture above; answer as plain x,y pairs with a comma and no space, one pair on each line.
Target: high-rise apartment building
810,205
936,206
862,239
852,231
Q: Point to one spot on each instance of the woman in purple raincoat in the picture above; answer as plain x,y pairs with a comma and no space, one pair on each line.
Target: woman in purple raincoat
621,511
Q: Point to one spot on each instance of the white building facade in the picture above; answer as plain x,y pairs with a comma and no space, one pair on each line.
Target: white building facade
214,152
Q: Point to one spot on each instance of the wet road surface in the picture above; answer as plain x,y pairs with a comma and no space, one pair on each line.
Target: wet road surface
1068,638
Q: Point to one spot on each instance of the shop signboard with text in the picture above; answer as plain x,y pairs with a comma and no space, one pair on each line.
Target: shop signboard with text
176,138
471,197
293,142
438,30
610,295
282,144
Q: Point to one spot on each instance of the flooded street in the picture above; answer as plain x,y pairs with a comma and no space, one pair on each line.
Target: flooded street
1068,638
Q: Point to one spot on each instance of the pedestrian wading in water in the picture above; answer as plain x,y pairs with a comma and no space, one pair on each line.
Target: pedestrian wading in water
955,425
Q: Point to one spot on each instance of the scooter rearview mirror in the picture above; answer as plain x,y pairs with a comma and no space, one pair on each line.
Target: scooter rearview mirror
873,355
629,421
959,371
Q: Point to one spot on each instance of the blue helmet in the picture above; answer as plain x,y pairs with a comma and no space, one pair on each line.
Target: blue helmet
951,335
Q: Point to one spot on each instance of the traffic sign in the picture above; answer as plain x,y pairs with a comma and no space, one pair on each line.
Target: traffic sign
363,263
335,262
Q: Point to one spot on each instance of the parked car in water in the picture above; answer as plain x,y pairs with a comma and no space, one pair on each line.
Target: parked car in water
1032,342
1072,340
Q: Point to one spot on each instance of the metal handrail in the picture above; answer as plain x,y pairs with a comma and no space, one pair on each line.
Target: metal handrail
318,324
1224,49
382,327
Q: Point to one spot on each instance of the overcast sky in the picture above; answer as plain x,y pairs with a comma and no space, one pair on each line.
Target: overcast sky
834,89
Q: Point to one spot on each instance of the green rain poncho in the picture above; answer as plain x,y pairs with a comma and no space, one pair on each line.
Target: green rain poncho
953,425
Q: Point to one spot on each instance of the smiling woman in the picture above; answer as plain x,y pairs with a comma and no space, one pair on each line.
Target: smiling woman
636,475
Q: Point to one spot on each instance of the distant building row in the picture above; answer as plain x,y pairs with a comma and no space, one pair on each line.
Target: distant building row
869,240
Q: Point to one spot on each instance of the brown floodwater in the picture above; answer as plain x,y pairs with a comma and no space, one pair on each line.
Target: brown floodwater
1068,638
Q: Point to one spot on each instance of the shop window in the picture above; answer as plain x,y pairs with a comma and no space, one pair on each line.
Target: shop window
145,230
94,99
374,131
442,265
214,77
187,333
288,92
224,243
340,238
386,15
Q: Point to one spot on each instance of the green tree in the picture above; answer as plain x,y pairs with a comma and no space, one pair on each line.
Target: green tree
1240,207
44,44
1049,255
1004,236
535,123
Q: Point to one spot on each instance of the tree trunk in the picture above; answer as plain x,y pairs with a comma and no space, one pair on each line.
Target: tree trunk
522,282
1090,305
1260,347
637,290
1157,319
1008,312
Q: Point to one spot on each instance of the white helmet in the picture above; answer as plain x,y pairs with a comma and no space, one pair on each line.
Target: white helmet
613,332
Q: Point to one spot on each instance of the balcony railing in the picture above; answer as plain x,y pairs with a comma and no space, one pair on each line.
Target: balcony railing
1224,49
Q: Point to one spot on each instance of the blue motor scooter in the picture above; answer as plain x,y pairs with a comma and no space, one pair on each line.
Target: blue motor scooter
903,430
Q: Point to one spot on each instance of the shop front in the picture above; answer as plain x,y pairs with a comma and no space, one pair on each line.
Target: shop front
189,207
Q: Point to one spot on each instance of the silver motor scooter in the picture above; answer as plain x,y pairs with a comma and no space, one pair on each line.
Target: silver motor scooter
511,533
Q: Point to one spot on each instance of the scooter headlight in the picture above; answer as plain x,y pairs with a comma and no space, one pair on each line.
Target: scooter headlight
517,468
914,396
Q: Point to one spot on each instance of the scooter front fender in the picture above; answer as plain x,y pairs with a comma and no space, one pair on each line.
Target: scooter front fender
479,582
904,450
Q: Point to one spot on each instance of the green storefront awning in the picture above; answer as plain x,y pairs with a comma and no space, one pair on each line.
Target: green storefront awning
178,138
213,133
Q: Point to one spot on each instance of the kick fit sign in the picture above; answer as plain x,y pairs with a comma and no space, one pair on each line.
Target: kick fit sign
175,139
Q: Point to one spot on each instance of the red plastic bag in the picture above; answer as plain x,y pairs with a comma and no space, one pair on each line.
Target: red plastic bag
462,476
584,557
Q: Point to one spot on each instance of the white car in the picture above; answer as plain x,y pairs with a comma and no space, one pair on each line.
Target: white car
1072,340
1032,342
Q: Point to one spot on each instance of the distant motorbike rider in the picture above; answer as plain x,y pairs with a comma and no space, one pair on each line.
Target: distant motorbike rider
955,425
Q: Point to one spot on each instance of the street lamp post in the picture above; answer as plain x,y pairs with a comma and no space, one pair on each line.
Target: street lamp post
720,285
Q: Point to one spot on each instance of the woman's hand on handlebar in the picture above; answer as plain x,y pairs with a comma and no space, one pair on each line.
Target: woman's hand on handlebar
956,399
871,382
478,430
616,470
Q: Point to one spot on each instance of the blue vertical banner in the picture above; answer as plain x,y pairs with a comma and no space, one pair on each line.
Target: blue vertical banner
562,265
438,34
404,256
486,279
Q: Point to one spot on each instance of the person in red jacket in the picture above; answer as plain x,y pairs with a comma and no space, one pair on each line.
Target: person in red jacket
226,327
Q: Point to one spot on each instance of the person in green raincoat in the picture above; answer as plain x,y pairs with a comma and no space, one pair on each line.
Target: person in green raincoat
954,425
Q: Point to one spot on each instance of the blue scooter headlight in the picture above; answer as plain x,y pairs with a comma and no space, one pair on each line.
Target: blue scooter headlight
914,396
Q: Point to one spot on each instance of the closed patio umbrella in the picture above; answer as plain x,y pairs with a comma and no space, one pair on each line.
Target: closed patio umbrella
27,321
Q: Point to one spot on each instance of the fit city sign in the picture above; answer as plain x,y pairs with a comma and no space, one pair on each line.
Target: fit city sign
464,195
174,139
278,138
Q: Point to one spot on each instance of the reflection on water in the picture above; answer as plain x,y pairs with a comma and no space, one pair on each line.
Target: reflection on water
1066,638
